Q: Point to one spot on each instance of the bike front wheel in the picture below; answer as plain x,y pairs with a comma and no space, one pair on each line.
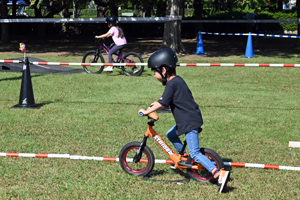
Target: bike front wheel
136,70
93,57
141,168
203,175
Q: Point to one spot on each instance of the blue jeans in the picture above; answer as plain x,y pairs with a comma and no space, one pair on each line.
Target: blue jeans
112,51
193,145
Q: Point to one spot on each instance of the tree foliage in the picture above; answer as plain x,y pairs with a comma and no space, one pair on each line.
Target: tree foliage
157,8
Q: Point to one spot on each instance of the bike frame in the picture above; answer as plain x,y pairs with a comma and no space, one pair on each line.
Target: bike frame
107,49
163,145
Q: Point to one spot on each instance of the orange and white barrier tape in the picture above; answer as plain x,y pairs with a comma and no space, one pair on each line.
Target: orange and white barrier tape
78,157
11,61
179,64
263,166
145,64
236,65
88,64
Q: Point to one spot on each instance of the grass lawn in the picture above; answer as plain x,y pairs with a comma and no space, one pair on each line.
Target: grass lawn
250,115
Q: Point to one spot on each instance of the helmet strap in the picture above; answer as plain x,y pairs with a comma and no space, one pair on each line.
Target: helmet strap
164,79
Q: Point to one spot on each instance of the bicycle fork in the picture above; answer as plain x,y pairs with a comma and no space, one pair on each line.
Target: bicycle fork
139,152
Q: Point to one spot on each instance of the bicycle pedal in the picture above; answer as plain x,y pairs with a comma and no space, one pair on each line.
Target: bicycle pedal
183,164
184,159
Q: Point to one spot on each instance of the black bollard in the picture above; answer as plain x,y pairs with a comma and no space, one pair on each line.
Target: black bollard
26,94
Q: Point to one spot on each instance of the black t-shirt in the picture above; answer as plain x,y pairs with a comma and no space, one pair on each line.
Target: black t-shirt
186,111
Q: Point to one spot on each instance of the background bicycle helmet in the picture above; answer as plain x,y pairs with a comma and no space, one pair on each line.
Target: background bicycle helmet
112,20
163,58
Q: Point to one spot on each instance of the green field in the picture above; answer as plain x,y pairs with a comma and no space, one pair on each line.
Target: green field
250,115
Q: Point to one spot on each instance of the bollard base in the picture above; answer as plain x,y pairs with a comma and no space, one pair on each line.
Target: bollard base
19,106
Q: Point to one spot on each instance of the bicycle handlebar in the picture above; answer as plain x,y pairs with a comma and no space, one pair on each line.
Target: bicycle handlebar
152,115
99,40
141,114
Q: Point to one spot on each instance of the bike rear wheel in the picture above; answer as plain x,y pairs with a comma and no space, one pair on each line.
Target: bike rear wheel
141,168
136,70
93,57
204,175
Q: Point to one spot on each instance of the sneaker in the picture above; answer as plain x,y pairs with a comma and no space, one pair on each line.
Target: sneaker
108,69
173,166
184,156
223,179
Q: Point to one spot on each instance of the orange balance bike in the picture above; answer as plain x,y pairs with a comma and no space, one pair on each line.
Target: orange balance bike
136,158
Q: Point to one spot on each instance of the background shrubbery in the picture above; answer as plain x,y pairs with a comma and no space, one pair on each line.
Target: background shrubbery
240,14
189,30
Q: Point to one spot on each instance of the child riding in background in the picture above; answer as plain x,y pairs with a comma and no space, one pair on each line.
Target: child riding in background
185,110
117,36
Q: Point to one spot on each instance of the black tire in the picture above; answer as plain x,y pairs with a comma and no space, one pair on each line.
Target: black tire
93,57
133,57
204,175
142,168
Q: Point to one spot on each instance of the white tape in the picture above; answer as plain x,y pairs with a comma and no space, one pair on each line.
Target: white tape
58,155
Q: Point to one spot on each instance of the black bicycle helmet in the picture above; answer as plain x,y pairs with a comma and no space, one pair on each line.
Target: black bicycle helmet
112,20
163,58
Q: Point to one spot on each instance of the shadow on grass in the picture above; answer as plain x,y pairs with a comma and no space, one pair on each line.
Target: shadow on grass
158,173
253,107
118,72
228,168
49,102
214,46
19,77
184,181
37,105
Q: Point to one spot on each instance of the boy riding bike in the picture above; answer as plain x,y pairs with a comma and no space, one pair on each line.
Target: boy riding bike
117,36
185,110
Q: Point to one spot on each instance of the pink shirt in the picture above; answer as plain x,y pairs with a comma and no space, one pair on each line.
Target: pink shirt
115,36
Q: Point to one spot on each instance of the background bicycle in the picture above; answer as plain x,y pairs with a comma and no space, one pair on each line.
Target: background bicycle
95,56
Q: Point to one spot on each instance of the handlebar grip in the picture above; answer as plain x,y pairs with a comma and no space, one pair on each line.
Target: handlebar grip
141,114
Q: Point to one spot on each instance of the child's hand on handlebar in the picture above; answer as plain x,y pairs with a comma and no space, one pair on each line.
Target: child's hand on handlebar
142,112
153,107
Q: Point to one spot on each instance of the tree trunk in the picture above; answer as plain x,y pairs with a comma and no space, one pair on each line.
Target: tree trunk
41,29
298,15
161,9
172,29
101,11
114,10
198,9
64,14
101,8
14,8
229,4
75,10
4,26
